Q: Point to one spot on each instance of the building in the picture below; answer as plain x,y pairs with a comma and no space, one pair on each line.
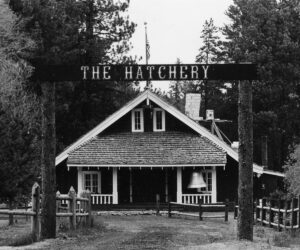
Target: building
148,147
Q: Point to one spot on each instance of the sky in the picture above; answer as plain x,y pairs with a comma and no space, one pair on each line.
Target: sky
174,28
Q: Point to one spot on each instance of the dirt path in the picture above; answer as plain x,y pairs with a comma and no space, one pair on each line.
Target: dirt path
152,232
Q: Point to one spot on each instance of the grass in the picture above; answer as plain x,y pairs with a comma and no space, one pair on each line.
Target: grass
281,239
22,240
17,234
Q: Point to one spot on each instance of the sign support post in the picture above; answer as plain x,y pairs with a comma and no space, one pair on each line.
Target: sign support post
245,190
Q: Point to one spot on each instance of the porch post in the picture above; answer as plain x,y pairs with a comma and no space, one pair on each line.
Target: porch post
214,185
80,185
130,185
179,185
166,185
115,186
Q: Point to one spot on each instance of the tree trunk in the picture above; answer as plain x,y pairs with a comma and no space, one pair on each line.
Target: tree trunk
48,213
245,191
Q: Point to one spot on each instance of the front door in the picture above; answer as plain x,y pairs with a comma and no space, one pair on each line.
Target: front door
146,183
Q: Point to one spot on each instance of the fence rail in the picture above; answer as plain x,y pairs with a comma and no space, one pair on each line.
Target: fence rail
75,207
199,208
279,214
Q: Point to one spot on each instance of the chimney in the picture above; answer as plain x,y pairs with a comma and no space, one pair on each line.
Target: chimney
210,114
235,146
192,106
264,151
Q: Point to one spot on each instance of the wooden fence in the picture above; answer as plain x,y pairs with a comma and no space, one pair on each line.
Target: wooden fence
197,210
279,214
76,207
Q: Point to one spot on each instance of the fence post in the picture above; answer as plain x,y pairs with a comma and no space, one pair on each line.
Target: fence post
234,210
292,217
285,213
169,209
83,207
279,205
72,195
157,204
89,208
226,209
270,212
58,205
10,216
262,217
298,222
58,202
256,210
35,223
200,208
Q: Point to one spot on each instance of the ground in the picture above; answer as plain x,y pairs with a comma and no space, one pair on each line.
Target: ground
151,232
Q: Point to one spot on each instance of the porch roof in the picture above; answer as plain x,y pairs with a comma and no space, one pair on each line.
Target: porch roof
148,148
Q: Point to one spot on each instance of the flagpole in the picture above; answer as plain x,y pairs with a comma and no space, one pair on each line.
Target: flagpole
146,52
146,41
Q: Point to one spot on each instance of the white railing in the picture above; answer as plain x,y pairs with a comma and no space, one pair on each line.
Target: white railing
102,199
194,198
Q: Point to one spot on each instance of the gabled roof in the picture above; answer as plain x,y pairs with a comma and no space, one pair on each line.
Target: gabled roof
170,109
154,149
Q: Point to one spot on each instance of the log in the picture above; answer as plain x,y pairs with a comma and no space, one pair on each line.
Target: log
226,209
72,195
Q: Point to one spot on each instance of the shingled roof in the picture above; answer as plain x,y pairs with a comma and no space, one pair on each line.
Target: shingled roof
148,148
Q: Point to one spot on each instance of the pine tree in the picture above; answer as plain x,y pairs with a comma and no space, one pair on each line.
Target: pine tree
209,52
19,118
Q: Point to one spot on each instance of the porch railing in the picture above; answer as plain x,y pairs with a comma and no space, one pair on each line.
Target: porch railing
102,199
194,198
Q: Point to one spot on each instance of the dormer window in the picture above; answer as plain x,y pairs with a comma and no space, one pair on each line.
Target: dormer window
137,120
159,123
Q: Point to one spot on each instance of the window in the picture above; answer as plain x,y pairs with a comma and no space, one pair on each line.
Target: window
159,120
137,121
92,182
207,176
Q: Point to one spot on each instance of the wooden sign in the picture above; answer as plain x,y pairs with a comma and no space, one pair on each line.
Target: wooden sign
153,72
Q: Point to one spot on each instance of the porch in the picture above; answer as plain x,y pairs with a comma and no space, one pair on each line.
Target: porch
140,185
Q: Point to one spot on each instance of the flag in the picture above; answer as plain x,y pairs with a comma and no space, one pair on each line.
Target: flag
147,49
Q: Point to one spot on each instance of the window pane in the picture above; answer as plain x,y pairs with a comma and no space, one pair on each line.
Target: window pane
159,119
87,181
137,120
209,181
207,177
91,182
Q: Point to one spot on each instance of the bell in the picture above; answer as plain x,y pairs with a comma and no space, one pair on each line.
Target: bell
197,181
